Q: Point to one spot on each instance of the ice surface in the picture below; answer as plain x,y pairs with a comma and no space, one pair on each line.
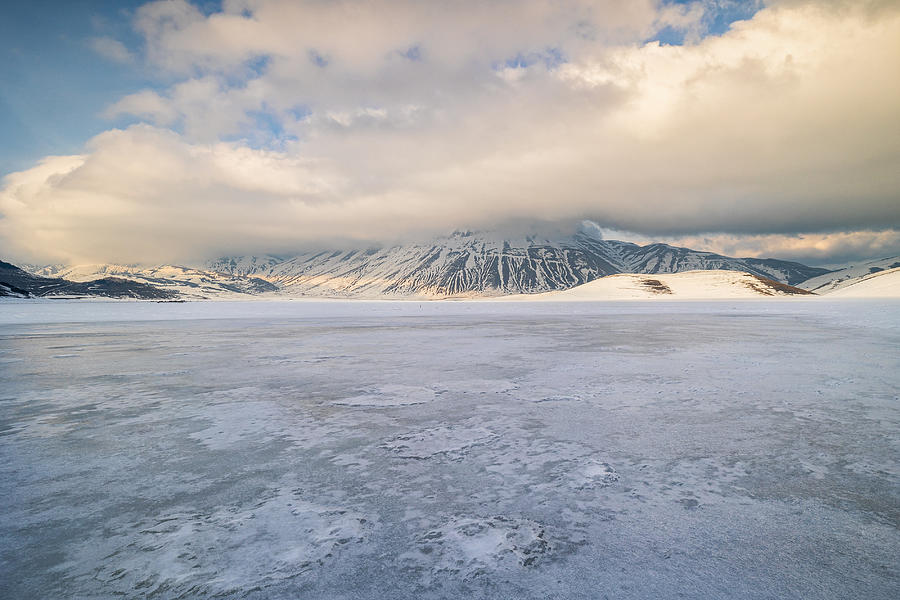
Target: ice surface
466,549
444,450
390,395
451,440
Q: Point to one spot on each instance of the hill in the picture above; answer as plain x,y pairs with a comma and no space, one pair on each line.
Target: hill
691,285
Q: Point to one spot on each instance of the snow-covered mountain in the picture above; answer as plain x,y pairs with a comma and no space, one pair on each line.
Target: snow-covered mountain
469,264
688,285
181,281
11,291
464,264
836,280
17,282
245,265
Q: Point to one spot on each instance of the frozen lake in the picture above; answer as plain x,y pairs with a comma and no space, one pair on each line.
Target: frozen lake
454,449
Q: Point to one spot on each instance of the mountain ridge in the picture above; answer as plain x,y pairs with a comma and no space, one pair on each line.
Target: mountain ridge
463,264
17,281
184,282
466,263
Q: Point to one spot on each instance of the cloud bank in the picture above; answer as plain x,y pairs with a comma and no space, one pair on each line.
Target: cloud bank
287,124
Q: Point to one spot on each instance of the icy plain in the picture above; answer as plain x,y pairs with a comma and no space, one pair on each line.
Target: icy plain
730,449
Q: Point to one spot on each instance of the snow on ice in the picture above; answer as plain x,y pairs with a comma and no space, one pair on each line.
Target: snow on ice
460,449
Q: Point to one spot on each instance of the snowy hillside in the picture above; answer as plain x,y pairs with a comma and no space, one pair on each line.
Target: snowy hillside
185,282
244,265
11,291
690,285
468,264
18,283
836,280
880,284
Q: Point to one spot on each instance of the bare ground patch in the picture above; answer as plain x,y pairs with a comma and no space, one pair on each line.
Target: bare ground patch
656,286
768,287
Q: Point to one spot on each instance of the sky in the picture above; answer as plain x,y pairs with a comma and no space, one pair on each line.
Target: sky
170,131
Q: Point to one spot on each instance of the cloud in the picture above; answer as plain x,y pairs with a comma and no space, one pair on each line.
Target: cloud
358,36
783,128
147,105
111,49
114,203
827,249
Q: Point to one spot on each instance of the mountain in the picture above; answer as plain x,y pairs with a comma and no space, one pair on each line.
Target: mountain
17,281
837,280
245,265
469,264
463,264
688,285
12,291
183,282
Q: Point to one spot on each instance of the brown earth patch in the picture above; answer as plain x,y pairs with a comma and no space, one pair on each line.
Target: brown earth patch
768,287
656,286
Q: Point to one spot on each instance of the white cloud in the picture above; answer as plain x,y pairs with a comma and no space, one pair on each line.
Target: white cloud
147,105
389,118
111,49
114,201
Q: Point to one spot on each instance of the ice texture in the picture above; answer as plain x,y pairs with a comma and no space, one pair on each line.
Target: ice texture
450,450
453,440
390,395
